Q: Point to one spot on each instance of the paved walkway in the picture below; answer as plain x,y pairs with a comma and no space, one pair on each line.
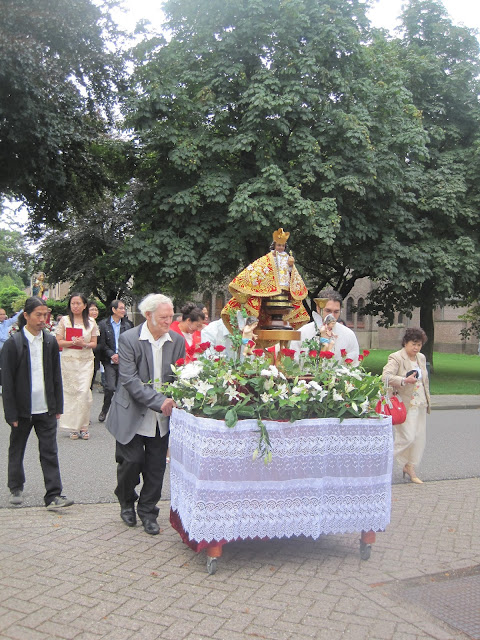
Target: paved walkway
456,402
82,574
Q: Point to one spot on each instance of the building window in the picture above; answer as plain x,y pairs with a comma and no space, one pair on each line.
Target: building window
349,314
400,318
360,314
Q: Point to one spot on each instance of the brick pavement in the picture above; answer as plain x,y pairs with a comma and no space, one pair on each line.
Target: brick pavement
81,574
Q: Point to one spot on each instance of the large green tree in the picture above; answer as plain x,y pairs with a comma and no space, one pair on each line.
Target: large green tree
441,243
260,114
59,68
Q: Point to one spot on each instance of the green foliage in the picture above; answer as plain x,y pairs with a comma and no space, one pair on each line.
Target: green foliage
58,70
472,316
454,373
88,251
437,240
15,259
8,299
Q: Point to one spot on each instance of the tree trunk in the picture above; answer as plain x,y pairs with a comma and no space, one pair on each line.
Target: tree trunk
428,325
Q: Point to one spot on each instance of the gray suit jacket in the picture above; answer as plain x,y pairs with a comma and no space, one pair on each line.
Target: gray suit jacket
133,397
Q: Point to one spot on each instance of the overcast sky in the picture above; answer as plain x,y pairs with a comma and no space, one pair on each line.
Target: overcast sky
384,13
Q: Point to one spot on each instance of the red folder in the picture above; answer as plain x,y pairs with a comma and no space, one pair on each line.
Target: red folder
72,331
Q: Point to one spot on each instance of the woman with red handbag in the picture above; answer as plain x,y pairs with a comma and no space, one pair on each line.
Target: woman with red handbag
406,372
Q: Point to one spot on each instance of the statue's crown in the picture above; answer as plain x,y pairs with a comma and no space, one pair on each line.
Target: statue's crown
280,236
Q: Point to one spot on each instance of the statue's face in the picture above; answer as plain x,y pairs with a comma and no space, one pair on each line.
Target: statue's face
279,247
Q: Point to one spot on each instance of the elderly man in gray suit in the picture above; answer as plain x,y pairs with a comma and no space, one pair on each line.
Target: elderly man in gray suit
139,414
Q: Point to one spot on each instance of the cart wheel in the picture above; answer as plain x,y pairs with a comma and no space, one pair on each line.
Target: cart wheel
211,565
365,550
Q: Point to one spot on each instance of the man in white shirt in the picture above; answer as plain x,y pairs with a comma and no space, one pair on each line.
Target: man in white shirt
139,414
33,398
346,340
219,336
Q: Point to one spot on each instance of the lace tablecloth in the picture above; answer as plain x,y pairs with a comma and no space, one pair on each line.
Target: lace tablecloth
325,477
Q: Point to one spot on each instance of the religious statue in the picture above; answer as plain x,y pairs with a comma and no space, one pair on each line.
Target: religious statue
271,280
248,337
327,337
39,285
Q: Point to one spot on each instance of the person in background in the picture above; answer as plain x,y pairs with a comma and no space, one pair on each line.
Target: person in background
406,372
93,313
345,341
140,413
5,325
218,335
110,331
206,319
190,327
33,398
77,365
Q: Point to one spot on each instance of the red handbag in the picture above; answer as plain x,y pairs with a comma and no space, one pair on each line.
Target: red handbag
392,406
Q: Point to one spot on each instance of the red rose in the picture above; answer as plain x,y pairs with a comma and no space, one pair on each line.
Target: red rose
289,353
216,359
366,353
190,349
219,348
205,345
251,343
198,349
348,361
343,353
328,354
180,361
360,357
312,353
322,354
258,352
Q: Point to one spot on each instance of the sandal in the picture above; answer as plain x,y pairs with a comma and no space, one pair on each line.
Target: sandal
84,435
74,435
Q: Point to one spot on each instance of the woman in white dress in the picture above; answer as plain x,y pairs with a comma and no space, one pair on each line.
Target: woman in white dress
77,365
406,371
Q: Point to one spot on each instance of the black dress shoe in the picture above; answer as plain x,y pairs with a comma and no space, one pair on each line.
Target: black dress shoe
102,416
151,527
128,516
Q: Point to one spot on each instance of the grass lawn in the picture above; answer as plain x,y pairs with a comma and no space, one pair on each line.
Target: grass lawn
454,373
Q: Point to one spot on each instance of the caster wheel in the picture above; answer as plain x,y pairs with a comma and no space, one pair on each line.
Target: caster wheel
365,550
211,566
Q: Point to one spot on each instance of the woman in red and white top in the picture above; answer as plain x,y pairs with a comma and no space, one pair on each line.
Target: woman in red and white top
189,327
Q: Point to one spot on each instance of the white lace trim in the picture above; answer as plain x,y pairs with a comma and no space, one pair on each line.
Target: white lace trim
325,477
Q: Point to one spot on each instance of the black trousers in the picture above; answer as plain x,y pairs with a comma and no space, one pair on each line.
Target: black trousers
111,380
46,429
148,457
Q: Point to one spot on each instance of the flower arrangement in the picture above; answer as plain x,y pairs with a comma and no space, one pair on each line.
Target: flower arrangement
314,385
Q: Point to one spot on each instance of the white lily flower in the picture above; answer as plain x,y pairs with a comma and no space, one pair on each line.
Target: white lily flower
364,406
297,390
266,398
202,387
188,403
314,385
268,384
283,391
349,386
266,373
232,393
337,396
354,406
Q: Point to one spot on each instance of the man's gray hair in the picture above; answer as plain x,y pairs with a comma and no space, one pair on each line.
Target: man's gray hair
151,302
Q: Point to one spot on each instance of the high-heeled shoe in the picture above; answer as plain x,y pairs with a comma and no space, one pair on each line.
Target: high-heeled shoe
409,470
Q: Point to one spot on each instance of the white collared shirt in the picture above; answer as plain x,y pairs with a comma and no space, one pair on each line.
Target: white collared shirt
152,418
39,398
